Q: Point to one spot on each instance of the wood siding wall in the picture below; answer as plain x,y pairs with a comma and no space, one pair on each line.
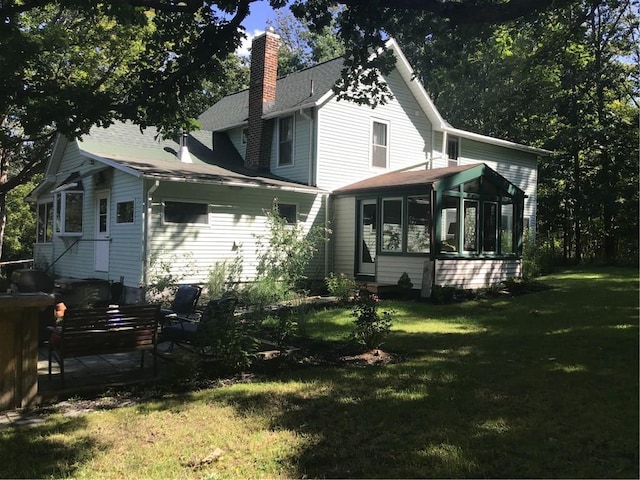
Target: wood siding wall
344,235
475,273
299,171
236,216
391,267
344,137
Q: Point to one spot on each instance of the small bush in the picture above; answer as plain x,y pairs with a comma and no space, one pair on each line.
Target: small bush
340,286
264,292
224,278
405,281
371,328
228,340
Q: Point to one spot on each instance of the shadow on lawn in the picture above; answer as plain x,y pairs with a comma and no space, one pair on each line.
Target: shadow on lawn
549,390
28,452
542,385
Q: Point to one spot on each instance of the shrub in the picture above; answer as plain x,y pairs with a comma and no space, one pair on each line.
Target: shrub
224,278
285,252
340,286
263,292
405,281
371,328
538,257
228,340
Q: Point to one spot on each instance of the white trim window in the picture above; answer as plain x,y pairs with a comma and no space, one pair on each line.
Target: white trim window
379,144
453,151
286,128
68,212
45,222
124,212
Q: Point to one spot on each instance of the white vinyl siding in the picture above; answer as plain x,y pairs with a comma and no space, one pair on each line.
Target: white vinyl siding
236,216
126,247
471,274
344,137
344,233
235,136
302,152
390,268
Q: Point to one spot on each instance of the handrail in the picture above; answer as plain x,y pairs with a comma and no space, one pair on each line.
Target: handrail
61,255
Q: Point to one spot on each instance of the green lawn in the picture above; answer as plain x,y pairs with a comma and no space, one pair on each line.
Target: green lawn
541,385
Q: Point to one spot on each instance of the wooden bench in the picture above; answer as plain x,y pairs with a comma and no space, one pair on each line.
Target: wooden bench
105,330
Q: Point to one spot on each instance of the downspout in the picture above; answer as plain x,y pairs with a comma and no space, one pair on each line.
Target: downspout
146,257
328,237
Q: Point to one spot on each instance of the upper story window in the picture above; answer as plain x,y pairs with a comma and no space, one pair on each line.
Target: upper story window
68,212
186,212
244,135
379,144
285,141
453,151
44,232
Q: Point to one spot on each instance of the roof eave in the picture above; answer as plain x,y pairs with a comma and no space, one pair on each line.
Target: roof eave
496,141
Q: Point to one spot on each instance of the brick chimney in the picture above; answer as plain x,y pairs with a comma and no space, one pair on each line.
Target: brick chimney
262,97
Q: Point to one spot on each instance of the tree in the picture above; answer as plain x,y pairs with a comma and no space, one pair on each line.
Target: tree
560,81
70,65
301,47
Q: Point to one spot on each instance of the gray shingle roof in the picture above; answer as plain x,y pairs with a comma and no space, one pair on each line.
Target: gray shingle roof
302,88
125,144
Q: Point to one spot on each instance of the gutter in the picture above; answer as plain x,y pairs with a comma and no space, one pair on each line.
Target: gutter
285,188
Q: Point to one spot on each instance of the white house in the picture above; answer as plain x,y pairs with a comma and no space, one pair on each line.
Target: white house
401,189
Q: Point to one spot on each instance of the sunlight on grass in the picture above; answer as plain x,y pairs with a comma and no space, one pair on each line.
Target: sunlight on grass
569,368
482,389
448,458
493,426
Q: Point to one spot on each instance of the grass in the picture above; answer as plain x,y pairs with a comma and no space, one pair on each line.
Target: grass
540,385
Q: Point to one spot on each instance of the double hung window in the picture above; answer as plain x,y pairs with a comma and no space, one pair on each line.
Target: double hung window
379,144
285,141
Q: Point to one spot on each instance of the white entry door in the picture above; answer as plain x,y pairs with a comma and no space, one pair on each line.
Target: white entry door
101,260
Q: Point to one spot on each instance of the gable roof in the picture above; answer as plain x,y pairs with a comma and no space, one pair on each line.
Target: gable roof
124,147
302,89
313,86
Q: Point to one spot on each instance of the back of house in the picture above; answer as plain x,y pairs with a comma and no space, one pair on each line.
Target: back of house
400,189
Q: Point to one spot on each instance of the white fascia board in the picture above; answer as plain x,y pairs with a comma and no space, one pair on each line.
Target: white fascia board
289,111
57,152
111,163
408,75
496,141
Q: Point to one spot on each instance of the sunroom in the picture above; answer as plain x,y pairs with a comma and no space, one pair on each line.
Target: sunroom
458,226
